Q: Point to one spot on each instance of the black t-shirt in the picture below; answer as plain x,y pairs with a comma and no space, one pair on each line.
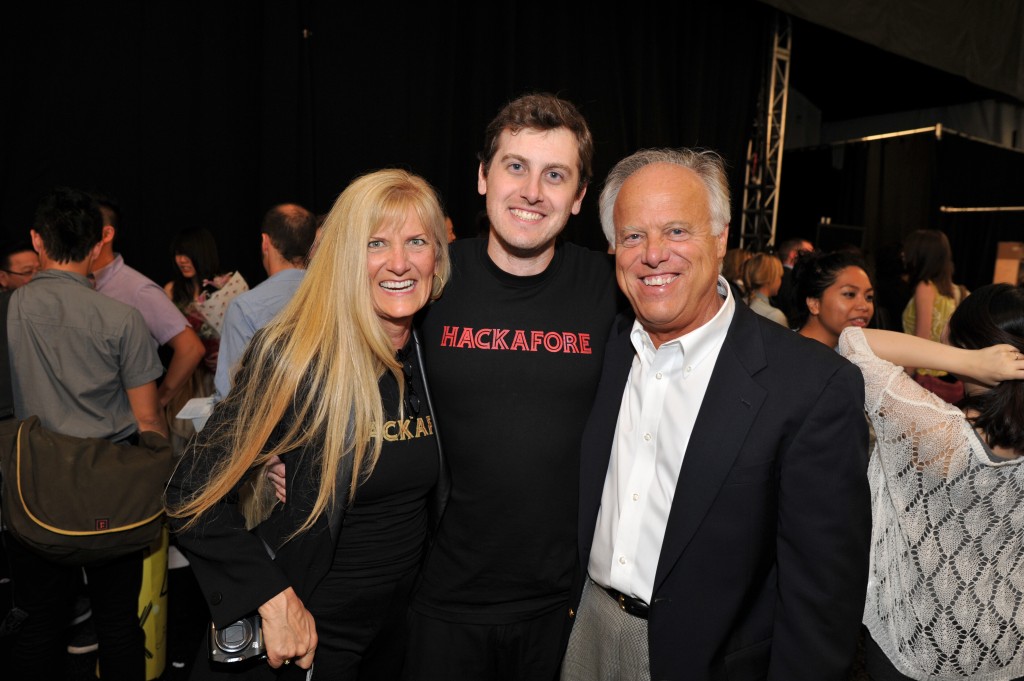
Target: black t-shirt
513,364
385,527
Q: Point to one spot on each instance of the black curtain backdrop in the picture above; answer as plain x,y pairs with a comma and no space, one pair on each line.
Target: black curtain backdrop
894,185
209,113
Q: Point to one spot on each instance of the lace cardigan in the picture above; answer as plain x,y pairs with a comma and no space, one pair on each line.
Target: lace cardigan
946,587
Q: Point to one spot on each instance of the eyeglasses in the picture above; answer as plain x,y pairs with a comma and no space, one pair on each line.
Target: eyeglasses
412,400
28,274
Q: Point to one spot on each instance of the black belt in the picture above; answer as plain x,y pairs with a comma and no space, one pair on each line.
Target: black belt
634,606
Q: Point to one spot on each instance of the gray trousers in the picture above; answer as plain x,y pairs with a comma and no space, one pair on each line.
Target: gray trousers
606,643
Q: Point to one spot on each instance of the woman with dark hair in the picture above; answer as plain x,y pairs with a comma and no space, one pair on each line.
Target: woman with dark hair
946,584
197,281
929,263
334,386
197,266
832,291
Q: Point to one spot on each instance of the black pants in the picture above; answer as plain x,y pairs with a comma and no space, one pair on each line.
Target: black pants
362,628
46,591
876,664
529,650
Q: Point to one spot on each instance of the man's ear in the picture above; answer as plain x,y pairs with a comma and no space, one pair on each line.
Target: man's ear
481,180
108,234
722,244
578,202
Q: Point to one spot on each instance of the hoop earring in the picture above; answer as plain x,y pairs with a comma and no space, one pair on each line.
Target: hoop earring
437,286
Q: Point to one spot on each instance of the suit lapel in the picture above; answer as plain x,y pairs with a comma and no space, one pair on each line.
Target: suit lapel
599,434
727,412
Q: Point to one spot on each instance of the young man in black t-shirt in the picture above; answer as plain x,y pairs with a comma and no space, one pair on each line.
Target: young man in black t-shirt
513,354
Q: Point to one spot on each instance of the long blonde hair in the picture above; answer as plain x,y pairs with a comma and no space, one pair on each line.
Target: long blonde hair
320,358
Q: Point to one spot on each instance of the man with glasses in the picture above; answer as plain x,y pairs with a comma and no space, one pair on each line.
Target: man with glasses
18,263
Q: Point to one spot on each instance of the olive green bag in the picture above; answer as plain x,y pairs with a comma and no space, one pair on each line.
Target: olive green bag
77,500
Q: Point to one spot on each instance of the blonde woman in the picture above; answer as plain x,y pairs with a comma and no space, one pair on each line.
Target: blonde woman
762,277
334,387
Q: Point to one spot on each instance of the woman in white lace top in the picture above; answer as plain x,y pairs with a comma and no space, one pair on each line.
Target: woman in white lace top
946,587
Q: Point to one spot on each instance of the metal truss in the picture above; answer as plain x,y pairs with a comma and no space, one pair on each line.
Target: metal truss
764,150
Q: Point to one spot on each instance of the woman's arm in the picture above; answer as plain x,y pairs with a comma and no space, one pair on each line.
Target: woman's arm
987,366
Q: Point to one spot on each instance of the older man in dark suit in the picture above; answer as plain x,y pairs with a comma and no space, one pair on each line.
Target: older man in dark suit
724,505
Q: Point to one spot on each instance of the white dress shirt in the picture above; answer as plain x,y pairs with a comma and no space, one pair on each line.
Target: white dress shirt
660,403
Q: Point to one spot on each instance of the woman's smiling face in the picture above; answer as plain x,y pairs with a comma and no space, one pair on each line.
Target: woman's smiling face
849,301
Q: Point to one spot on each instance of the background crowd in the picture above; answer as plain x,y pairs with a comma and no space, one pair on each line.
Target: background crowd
434,460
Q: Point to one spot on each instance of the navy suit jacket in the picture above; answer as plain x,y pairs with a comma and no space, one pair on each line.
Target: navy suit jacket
764,565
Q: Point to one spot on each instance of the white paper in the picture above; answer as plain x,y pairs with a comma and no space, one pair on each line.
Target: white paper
198,409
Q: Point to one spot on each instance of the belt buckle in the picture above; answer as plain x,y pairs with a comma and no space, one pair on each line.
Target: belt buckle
622,601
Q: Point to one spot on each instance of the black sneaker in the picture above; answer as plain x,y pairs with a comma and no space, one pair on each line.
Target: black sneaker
83,638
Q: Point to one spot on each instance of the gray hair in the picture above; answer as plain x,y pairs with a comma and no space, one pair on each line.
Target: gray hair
708,164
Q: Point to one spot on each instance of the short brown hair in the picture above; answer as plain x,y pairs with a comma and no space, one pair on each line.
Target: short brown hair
541,111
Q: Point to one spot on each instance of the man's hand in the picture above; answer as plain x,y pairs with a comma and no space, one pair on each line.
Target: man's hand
276,476
289,631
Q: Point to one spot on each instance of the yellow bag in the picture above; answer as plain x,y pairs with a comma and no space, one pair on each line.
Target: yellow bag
153,606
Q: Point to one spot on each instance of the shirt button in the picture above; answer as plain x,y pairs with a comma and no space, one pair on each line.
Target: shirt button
636,497
658,375
622,560
647,437
689,369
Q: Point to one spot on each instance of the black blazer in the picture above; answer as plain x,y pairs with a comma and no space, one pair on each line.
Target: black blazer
764,565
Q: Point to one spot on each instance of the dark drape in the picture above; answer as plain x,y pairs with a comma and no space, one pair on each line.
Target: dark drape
894,185
976,174
209,113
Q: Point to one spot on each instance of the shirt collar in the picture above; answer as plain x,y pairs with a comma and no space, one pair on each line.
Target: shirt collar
61,274
105,273
697,343
288,274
